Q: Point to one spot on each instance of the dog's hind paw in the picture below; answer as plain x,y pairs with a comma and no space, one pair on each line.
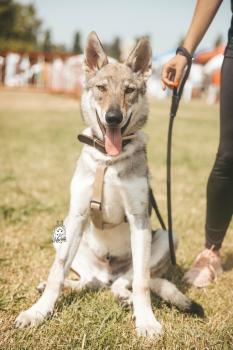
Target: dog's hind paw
125,302
29,318
124,297
149,328
41,286
195,309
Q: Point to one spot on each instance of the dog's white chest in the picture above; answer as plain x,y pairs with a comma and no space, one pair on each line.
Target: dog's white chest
112,205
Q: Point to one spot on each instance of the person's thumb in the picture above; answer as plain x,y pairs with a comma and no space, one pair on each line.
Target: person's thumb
178,76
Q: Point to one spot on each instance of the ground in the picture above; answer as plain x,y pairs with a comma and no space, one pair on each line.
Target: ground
38,154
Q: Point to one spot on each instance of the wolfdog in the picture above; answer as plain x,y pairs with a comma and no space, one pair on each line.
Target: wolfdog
109,240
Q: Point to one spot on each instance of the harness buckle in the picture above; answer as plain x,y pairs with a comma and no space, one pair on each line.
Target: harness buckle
95,142
95,205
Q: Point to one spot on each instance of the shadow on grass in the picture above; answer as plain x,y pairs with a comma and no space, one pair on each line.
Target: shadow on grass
228,261
69,297
72,296
175,275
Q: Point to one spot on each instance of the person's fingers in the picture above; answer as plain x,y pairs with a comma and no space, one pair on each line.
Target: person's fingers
164,74
175,83
171,75
172,72
179,73
168,82
167,76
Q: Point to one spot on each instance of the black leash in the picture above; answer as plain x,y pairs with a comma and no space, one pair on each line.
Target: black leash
154,205
177,93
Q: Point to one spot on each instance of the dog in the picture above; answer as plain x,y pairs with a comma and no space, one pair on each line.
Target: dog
110,243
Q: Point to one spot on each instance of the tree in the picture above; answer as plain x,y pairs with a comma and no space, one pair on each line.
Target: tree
20,28
218,41
19,25
77,43
47,43
113,49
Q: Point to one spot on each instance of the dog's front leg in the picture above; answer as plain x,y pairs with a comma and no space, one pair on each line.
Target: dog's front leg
135,197
146,323
45,305
74,224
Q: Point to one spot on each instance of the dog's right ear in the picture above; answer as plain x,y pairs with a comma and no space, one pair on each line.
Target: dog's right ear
95,57
139,59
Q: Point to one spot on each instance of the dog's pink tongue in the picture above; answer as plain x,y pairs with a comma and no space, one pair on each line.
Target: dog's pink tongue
113,141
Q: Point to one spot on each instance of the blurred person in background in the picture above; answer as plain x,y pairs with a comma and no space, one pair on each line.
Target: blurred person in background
207,265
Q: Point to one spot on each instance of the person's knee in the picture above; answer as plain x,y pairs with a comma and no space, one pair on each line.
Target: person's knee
224,165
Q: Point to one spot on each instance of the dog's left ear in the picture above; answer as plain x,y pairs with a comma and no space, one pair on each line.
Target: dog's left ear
139,59
95,57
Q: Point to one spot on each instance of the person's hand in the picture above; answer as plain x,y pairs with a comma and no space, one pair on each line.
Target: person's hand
172,71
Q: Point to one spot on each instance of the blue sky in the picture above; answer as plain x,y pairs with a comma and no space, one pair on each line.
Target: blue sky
166,21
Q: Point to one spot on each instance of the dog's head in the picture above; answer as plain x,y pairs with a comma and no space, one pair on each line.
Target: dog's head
115,92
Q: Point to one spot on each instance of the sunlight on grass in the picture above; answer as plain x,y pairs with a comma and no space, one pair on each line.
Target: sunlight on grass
38,154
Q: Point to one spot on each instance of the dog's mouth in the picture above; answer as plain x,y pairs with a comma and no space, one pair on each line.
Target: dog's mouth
113,137
113,141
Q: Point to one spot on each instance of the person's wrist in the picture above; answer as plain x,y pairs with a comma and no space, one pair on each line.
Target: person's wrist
189,47
181,50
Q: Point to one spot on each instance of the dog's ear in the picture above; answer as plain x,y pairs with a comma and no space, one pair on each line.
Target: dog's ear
95,57
139,59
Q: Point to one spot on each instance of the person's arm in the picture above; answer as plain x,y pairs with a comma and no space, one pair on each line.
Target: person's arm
203,15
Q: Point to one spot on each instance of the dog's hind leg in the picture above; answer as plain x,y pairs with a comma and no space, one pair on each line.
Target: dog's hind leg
120,288
75,284
160,254
160,262
171,294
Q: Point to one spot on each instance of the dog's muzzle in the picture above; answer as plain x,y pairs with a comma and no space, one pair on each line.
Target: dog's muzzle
113,117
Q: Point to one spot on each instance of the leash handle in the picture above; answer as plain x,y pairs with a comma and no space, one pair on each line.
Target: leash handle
177,93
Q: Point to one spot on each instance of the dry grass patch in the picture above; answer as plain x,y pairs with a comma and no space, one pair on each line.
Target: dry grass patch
38,153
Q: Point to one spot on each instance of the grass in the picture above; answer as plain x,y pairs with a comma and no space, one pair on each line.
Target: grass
38,153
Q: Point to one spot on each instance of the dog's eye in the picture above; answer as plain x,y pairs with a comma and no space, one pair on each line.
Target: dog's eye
129,90
101,88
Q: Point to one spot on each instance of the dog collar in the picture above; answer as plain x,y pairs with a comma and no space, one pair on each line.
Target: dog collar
99,144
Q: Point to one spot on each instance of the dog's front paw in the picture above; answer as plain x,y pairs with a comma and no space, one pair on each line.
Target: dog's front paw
148,327
29,318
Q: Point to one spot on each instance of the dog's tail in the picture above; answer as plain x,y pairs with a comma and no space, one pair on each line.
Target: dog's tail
171,294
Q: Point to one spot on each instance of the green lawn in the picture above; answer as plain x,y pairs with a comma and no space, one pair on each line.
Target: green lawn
38,154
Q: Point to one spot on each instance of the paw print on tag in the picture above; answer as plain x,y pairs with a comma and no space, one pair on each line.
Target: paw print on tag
59,233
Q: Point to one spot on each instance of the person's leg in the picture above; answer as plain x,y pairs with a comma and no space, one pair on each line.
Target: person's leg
220,184
219,189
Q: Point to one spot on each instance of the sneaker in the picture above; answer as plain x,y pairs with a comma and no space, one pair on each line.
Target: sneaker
205,269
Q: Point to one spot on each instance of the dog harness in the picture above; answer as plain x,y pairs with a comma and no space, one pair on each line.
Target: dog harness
96,203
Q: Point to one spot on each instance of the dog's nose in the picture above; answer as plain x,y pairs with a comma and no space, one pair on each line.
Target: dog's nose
113,117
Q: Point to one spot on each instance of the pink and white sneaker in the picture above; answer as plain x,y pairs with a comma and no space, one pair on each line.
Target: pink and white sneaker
205,269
